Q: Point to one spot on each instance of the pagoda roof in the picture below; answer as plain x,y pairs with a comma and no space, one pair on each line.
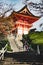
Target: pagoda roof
28,18
26,11
25,16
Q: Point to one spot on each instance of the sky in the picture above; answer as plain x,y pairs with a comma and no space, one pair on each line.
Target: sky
18,3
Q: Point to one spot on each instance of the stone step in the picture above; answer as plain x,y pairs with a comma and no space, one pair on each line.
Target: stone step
11,61
16,45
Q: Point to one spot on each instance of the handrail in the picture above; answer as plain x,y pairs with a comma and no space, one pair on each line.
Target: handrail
2,52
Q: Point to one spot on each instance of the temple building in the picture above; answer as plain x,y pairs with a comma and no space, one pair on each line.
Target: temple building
23,20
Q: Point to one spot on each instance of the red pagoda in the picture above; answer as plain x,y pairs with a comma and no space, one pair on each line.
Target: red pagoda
23,20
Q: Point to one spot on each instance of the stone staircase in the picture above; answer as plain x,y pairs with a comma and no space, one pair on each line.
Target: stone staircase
15,43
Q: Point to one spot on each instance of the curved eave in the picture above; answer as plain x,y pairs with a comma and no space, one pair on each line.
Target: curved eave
31,19
30,14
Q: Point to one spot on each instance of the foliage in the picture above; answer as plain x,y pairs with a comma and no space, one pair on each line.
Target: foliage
2,36
9,47
26,38
3,43
6,24
36,37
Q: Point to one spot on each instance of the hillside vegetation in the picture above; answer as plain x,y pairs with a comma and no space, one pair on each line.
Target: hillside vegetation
36,37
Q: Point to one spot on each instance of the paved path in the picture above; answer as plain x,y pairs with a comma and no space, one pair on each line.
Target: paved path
16,45
11,61
22,58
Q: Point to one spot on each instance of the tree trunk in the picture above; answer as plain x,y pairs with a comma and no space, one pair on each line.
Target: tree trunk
38,50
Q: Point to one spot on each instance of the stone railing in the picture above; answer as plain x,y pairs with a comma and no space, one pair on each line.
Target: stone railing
2,52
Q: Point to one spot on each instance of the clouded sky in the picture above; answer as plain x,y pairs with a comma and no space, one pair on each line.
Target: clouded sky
18,3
